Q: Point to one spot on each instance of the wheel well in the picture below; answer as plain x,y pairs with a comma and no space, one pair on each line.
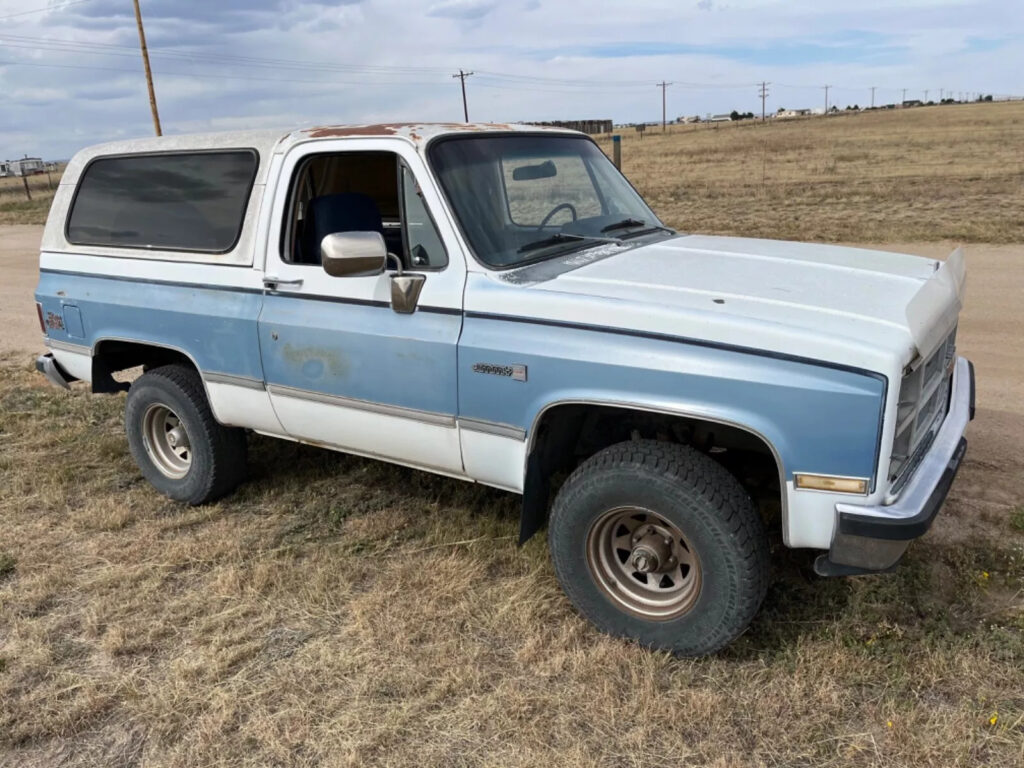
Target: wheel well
566,435
112,356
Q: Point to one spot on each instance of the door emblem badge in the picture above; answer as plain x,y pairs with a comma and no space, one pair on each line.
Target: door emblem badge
516,372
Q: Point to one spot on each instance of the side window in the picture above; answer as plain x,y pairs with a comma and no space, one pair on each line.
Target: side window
425,248
187,201
536,186
342,192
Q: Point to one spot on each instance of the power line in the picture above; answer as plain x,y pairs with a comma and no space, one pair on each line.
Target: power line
364,73
209,76
110,49
462,79
42,10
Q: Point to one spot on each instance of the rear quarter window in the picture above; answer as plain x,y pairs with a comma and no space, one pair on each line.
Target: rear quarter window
182,201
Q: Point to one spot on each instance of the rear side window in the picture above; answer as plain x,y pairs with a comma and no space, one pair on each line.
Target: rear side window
182,201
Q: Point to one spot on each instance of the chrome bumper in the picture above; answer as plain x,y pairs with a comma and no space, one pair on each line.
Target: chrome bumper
873,538
51,369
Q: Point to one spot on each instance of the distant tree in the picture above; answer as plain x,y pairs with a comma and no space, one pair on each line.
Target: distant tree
734,115
988,97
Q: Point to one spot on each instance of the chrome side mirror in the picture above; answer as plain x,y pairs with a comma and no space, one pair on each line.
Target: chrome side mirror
353,254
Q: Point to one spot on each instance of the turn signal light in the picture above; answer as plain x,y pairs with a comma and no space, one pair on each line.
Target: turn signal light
831,483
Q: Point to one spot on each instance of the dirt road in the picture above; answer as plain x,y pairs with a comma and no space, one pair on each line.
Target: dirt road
19,271
991,334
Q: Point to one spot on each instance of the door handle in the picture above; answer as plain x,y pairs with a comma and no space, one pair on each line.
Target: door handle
273,283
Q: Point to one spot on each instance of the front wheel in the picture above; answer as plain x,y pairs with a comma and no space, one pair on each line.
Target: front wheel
178,445
656,542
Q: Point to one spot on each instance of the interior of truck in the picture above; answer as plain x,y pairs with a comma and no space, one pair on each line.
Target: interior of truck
360,192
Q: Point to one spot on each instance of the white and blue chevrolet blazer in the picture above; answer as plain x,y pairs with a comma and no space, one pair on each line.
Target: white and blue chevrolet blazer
497,303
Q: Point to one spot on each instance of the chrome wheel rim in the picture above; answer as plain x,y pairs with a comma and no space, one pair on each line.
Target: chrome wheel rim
643,563
166,441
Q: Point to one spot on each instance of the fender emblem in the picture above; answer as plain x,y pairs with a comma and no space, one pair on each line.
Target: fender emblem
517,372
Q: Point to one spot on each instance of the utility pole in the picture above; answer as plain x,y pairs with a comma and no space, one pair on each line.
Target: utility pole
941,91
826,87
663,85
763,93
149,72
926,96
872,96
465,109
904,97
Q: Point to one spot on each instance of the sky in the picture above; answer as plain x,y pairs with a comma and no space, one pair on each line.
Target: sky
71,73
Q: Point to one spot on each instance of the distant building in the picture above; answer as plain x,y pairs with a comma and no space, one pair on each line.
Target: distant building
5,168
586,126
26,166
912,103
689,119
725,118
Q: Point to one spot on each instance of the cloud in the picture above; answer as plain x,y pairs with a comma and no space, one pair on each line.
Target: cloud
239,63
469,10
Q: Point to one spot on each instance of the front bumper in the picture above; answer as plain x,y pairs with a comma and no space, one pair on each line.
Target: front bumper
873,538
51,369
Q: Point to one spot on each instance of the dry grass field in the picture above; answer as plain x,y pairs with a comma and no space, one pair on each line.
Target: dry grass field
338,611
16,208
954,172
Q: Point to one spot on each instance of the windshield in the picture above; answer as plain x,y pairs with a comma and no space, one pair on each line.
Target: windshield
522,199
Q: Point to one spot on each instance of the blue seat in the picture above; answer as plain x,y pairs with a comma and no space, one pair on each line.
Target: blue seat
344,212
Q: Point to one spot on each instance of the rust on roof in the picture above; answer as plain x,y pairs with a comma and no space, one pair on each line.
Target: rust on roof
415,131
334,131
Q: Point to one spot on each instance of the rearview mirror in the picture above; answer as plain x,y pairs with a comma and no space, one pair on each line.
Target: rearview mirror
543,170
353,254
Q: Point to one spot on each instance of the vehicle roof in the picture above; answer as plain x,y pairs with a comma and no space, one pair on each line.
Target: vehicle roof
268,141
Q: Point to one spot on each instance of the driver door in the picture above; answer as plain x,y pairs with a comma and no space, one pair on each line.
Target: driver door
342,366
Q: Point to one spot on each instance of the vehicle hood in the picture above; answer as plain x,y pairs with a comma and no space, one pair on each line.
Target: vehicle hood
845,305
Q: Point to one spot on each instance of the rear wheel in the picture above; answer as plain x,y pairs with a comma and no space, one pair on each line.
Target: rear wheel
176,442
656,542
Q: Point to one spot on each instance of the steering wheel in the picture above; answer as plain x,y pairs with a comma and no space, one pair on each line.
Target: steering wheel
555,210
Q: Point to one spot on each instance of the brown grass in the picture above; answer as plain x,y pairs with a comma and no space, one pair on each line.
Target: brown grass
928,174
934,173
16,208
339,611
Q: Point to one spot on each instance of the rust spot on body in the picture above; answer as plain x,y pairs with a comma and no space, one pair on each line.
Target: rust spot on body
334,131
414,131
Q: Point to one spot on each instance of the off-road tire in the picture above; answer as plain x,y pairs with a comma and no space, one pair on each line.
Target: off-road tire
702,500
218,453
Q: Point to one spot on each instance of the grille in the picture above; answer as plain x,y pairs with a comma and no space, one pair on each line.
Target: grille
924,400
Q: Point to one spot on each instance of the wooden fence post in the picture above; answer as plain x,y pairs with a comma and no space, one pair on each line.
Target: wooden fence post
617,151
28,192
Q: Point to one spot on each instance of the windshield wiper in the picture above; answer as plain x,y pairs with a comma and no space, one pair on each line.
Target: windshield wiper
624,224
647,231
555,239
